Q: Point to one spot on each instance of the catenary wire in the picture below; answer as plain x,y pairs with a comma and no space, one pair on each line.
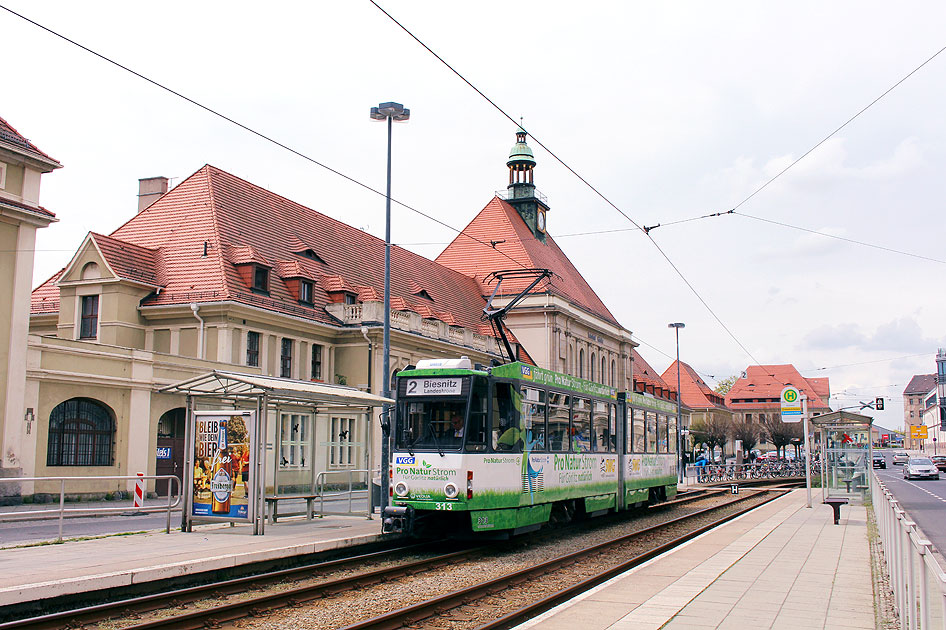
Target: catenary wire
249,129
580,178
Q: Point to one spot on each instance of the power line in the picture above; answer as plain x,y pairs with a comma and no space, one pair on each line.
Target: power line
577,175
247,128
835,367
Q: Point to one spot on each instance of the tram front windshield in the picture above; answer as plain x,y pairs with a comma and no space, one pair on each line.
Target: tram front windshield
432,424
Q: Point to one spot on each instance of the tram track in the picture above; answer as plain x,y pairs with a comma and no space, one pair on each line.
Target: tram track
222,602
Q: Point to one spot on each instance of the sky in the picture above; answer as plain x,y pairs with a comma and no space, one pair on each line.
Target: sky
671,110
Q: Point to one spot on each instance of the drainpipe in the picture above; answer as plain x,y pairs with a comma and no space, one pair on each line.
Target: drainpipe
364,332
200,335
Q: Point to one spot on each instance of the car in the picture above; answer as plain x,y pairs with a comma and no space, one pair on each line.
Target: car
900,457
939,461
879,461
920,468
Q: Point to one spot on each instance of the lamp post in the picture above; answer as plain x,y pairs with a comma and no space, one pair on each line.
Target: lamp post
676,329
390,112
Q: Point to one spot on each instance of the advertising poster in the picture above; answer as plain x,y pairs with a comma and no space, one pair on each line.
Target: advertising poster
223,479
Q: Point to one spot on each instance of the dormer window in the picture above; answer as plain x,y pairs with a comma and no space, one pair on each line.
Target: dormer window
261,279
311,255
305,292
422,293
89,325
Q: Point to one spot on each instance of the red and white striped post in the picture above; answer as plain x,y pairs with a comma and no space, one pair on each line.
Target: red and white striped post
140,491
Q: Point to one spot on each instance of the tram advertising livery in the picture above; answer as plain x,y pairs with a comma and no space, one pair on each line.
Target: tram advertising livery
510,448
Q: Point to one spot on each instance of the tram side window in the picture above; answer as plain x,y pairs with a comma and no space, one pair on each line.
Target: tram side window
581,425
650,435
506,433
638,431
672,433
533,417
600,428
661,433
613,428
477,433
558,422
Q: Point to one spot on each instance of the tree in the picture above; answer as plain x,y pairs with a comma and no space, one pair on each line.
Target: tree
781,433
710,432
726,384
748,432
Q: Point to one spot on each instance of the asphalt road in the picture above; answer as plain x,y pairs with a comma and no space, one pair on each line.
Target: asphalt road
923,499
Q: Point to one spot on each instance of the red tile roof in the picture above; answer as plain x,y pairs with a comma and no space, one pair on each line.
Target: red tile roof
130,261
696,393
241,221
648,376
10,135
763,386
516,247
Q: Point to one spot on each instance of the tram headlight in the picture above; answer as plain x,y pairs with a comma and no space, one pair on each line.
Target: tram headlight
401,489
451,490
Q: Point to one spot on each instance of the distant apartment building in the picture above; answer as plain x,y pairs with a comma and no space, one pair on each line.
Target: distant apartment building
916,395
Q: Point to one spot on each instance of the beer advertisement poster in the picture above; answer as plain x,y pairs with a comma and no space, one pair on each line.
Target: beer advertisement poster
223,483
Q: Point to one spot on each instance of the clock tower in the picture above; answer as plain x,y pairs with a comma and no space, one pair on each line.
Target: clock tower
521,193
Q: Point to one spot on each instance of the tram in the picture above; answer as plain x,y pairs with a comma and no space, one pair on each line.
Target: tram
507,449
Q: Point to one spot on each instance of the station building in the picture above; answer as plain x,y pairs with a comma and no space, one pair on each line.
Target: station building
218,274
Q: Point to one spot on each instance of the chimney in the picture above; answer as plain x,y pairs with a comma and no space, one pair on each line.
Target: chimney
150,189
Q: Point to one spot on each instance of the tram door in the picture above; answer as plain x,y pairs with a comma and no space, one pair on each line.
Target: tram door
169,455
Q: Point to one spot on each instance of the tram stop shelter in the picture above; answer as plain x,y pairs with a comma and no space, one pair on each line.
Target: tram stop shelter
253,441
846,455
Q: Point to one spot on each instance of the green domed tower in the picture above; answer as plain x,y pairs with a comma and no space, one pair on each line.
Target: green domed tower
521,192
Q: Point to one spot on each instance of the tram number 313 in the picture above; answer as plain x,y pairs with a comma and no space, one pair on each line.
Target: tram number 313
444,506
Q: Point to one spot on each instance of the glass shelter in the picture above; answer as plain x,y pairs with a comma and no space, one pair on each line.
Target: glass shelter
845,458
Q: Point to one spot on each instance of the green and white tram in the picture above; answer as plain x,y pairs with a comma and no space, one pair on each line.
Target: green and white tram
510,448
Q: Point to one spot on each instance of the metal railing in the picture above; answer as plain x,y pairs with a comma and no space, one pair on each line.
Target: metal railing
320,488
917,580
721,473
62,513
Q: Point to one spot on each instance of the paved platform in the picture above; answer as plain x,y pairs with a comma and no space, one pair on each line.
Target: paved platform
40,572
782,566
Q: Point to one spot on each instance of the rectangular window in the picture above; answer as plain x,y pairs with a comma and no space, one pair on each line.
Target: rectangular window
600,428
349,298
316,374
558,422
650,435
89,326
285,358
661,433
533,417
261,279
672,434
252,349
294,440
342,440
638,432
305,292
506,435
581,425
748,417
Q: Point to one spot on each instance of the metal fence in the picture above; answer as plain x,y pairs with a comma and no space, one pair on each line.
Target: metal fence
721,473
174,501
917,580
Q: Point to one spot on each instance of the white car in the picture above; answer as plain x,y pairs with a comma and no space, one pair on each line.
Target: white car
900,457
920,468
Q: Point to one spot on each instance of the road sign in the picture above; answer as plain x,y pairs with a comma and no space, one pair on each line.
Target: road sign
791,405
918,431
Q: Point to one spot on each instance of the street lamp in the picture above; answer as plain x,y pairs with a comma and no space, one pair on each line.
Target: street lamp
676,329
391,112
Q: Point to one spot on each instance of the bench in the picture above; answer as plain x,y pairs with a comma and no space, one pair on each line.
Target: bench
273,502
836,503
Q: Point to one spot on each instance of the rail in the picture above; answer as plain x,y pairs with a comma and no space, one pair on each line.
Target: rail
320,487
62,512
917,581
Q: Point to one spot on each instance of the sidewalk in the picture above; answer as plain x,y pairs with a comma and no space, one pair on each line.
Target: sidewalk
782,566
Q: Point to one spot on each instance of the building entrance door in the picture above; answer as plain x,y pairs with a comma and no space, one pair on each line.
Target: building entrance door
169,456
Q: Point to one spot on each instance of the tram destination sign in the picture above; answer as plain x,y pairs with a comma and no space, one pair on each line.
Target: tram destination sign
434,386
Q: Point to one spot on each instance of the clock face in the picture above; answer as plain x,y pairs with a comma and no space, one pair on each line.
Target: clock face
540,221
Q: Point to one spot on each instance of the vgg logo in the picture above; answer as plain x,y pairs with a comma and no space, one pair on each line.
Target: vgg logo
404,460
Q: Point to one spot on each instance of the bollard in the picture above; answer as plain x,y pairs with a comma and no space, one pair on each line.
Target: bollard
140,491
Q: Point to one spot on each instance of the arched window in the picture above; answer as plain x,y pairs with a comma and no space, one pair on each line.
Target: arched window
613,381
81,433
593,361
581,363
604,370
